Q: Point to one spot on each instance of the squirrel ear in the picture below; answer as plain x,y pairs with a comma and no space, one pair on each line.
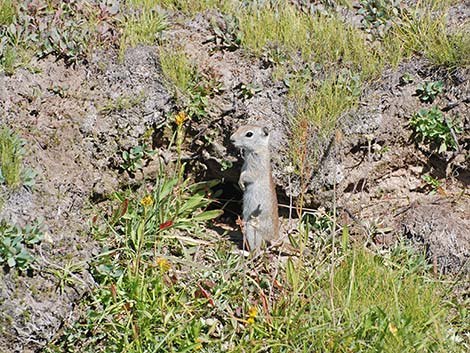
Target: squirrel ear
266,131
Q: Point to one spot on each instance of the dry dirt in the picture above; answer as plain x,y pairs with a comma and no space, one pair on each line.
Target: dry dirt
75,139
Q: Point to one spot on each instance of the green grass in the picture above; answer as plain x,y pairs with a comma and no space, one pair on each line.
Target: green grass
424,31
12,171
143,24
177,69
11,158
160,291
323,40
7,12
193,7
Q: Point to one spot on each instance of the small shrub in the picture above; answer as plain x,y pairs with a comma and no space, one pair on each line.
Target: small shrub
432,127
14,244
428,91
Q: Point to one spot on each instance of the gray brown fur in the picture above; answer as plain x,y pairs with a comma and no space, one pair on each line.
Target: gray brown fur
260,208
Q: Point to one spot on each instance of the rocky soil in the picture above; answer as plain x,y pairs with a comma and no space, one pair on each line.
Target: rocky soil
76,132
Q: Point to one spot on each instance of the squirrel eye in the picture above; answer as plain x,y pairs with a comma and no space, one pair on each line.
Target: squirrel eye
249,134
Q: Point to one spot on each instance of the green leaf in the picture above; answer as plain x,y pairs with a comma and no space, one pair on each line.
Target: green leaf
11,262
193,203
166,188
207,215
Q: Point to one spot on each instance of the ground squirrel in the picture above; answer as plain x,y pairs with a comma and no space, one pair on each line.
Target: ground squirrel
260,208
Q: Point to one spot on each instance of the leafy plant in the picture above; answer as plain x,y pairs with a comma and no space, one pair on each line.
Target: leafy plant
12,172
248,90
226,35
431,126
428,91
433,183
377,15
15,242
134,158
274,55
65,29
406,78
135,270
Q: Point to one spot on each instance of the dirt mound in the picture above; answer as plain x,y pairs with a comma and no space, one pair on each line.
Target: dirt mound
76,131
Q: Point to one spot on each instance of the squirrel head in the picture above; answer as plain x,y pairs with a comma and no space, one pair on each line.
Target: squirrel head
251,138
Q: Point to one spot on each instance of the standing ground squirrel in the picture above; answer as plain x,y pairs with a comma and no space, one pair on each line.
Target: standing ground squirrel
260,209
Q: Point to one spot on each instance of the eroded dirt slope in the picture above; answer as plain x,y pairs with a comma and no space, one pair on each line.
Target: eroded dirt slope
77,121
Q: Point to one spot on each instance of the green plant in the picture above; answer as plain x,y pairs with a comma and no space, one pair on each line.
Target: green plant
137,291
433,127
248,90
226,35
14,244
8,58
134,158
406,78
274,55
433,183
12,172
424,30
7,12
143,25
69,30
378,15
427,91
191,88
120,103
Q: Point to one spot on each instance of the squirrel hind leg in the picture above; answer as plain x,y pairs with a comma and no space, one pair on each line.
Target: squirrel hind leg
253,239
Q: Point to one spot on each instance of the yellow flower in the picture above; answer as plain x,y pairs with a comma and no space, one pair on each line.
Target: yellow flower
252,314
147,201
392,328
163,264
180,118
199,344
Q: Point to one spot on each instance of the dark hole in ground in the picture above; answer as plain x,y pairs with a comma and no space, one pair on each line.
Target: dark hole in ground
228,196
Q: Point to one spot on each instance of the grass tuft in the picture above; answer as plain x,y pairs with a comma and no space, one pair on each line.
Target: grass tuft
177,69
11,158
143,24
7,12
424,31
